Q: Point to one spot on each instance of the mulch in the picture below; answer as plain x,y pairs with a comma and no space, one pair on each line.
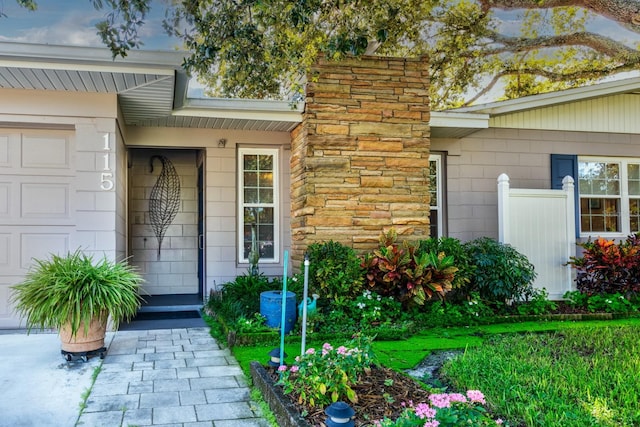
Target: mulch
381,394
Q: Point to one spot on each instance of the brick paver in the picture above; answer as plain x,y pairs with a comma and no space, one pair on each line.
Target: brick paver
170,377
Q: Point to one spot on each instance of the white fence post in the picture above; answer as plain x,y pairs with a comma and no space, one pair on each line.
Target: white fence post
504,216
568,186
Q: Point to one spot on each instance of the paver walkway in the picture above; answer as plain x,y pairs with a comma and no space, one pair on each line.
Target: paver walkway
170,377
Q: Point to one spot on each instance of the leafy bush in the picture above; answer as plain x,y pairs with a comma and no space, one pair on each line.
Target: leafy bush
371,309
537,304
407,275
501,272
464,313
610,303
607,268
241,298
320,378
334,271
451,247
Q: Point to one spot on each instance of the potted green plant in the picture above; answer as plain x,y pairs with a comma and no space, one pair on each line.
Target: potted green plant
77,296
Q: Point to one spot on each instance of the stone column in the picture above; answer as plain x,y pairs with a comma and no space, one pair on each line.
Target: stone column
360,157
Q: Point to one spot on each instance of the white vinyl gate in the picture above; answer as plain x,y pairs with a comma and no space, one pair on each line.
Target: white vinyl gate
541,225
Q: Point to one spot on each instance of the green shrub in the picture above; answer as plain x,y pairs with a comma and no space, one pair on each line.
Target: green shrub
334,272
501,272
472,311
537,304
610,303
241,298
321,377
371,309
607,268
451,247
402,272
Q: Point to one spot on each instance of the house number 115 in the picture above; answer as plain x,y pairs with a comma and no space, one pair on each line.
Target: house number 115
106,177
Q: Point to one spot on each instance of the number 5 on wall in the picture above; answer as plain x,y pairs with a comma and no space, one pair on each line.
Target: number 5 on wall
106,181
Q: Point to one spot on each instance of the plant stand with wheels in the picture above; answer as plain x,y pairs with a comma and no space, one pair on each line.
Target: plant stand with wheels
74,356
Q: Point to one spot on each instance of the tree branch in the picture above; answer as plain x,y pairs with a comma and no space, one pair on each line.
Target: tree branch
622,11
591,73
486,89
597,42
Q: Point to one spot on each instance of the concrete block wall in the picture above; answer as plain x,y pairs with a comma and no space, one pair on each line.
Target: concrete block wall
360,158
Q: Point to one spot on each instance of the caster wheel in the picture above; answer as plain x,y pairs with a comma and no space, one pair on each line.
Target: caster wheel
102,355
68,357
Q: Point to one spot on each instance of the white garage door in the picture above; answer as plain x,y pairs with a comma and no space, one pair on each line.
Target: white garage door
36,218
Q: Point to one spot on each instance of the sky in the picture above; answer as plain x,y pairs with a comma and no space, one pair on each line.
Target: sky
72,22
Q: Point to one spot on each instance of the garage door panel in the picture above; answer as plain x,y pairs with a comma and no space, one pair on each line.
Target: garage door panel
45,201
45,152
5,199
37,204
4,151
37,153
41,246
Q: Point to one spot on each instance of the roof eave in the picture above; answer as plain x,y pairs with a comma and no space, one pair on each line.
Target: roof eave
554,98
450,124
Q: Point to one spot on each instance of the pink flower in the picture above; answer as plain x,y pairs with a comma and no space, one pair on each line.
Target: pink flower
294,368
425,411
476,396
499,421
432,423
326,348
457,397
342,350
440,400
282,368
310,351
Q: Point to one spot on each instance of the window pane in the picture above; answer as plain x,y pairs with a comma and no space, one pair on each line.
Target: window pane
634,213
633,177
251,195
250,162
266,179
250,179
599,214
433,223
265,162
599,178
266,196
265,215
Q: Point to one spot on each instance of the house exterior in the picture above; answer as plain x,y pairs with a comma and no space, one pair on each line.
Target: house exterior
87,143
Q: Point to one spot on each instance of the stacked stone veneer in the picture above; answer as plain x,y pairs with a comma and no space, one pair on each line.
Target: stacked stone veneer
360,157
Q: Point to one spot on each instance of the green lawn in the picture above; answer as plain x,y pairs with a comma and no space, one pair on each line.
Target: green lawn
408,353
569,378
580,374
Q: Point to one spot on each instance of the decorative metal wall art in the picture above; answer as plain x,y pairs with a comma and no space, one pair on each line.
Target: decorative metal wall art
164,200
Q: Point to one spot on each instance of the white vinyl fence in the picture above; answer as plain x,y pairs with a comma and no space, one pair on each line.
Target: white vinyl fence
541,225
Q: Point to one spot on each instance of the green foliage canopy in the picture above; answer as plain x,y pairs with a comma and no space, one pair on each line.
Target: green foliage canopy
263,48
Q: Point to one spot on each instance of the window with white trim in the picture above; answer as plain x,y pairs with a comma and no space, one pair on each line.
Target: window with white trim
609,190
436,216
258,203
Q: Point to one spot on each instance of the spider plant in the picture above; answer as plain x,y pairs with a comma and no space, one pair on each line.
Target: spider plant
73,289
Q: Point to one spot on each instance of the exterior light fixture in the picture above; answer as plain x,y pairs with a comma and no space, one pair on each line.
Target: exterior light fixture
339,414
222,142
274,357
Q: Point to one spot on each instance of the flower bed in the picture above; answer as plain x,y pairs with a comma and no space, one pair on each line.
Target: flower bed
298,394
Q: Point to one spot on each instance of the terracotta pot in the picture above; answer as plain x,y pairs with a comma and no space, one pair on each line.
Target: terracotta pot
92,340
